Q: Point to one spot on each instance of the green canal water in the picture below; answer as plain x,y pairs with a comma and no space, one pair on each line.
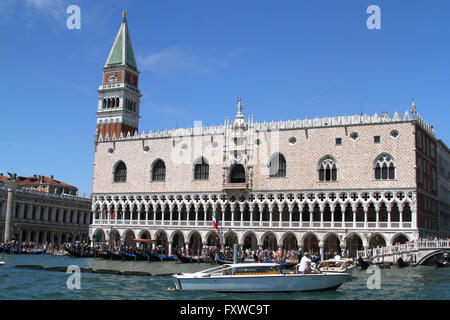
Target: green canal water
427,283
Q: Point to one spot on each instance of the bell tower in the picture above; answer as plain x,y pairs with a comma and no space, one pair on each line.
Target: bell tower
119,95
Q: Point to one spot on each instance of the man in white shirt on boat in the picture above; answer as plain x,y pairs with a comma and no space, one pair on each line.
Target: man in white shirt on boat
305,264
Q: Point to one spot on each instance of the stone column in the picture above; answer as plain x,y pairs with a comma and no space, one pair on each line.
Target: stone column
196,215
365,216
260,215
388,211
413,217
11,187
21,211
300,212
322,254
241,211
139,209
321,215
170,249
377,218
354,216
400,216
232,215
332,212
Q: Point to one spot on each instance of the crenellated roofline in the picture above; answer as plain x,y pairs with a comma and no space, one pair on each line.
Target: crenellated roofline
326,122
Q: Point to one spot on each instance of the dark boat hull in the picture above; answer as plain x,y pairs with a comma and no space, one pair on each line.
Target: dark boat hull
222,262
147,257
80,254
36,252
401,263
166,258
363,264
442,264
11,250
189,259
113,256
129,257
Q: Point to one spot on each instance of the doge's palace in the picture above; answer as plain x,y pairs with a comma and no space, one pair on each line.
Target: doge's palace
339,182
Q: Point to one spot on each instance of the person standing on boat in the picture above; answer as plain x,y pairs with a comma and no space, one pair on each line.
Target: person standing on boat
300,254
305,264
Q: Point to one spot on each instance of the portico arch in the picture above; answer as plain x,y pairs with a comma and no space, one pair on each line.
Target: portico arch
289,241
353,244
128,237
249,240
332,244
377,240
269,241
99,235
399,238
230,239
195,242
114,238
212,239
161,241
310,243
177,239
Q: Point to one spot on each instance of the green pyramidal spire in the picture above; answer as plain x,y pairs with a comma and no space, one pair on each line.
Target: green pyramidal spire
122,50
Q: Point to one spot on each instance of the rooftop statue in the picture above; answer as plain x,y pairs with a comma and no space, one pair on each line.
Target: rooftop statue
12,176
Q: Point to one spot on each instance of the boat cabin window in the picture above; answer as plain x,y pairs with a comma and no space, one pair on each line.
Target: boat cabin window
252,270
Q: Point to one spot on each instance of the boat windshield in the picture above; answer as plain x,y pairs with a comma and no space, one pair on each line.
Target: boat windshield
251,270
331,264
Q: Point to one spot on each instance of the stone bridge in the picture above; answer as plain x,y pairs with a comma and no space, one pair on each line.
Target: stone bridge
419,251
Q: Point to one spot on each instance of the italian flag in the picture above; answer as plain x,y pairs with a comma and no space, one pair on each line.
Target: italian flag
215,220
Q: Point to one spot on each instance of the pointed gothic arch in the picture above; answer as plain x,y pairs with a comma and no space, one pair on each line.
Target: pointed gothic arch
120,172
277,166
327,169
201,169
384,167
158,170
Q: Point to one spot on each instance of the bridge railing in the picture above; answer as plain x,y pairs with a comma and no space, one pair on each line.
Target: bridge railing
404,248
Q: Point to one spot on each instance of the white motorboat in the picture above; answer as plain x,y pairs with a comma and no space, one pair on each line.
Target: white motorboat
336,265
257,277
1,263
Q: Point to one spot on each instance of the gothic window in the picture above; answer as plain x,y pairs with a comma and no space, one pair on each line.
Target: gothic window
120,172
277,166
201,170
237,174
384,168
327,169
159,171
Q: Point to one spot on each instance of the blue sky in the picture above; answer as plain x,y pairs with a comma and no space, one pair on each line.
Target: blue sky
290,59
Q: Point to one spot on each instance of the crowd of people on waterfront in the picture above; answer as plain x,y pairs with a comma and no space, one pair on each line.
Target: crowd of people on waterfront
30,246
208,252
